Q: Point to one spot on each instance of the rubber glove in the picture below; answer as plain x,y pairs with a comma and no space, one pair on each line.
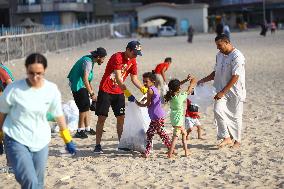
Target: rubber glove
70,146
144,90
129,96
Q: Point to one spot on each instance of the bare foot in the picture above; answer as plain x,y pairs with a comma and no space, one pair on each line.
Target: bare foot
170,155
225,142
201,138
187,153
236,145
144,155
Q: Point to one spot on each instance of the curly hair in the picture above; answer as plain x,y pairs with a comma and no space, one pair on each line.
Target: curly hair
174,86
150,75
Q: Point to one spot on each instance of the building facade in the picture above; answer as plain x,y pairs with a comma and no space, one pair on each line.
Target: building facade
179,16
252,12
50,12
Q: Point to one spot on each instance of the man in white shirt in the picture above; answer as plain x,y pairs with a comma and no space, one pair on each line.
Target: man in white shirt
229,81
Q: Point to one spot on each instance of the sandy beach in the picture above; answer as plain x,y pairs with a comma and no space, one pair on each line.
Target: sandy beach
259,162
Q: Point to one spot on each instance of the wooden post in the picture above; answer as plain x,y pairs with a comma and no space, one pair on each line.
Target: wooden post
23,47
8,55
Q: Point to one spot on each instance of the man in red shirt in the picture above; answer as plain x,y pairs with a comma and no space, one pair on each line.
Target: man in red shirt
160,72
112,90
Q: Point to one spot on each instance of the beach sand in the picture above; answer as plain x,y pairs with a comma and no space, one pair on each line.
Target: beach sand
259,162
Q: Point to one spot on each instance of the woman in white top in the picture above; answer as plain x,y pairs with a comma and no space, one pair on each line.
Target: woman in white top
23,108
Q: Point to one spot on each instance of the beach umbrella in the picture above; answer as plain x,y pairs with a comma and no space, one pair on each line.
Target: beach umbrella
29,23
156,22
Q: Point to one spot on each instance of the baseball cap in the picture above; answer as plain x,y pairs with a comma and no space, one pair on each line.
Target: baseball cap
101,52
135,46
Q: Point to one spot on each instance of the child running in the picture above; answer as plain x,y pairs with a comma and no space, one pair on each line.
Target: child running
192,119
176,99
156,113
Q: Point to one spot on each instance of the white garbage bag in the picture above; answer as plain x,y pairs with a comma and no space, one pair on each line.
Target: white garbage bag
71,113
203,96
136,124
165,89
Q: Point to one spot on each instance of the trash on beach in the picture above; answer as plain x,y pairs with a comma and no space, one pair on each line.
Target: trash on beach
135,126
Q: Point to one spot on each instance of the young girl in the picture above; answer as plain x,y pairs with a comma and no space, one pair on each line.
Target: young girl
176,99
192,119
156,113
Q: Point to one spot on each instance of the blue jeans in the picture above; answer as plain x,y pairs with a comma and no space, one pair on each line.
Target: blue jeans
29,167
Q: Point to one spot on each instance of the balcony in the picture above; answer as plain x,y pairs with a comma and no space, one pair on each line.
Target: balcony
120,7
55,7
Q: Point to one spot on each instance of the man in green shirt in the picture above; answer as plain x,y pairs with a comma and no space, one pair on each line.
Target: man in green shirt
80,78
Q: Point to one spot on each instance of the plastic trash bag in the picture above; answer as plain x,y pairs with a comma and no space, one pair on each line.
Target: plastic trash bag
71,113
135,126
203,97
164,89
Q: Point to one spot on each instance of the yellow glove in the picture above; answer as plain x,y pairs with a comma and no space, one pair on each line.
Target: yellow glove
127,93
144,90
65,134
1,136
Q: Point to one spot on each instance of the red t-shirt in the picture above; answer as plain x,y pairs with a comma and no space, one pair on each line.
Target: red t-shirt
189,113
161,66
4,76
117,61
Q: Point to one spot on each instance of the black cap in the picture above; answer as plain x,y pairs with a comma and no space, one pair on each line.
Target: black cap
135,46
101,52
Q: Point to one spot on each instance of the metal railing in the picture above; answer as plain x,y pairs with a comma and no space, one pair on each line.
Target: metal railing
19,46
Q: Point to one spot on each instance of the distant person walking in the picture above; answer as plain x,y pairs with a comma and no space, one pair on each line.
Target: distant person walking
219,28
229,81
190,33
80,78
263,29
272,27
227,31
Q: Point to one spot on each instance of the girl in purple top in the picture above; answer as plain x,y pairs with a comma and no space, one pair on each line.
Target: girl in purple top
156,113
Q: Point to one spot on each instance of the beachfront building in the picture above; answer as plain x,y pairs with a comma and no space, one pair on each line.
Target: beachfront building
179,16
50,12
251,12
4,13
117,11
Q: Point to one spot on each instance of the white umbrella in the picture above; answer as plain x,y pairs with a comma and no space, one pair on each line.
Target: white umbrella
156,22
29,23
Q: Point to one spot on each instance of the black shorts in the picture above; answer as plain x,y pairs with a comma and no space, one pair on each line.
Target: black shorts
82,100
105,100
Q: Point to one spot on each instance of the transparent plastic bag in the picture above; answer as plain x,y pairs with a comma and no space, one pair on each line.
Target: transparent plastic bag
164,89
135,127
203,97
71,113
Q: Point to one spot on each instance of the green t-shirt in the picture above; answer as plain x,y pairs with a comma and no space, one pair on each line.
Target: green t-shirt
76,74
177,110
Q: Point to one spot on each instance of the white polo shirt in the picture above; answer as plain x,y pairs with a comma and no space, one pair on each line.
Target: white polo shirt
26,109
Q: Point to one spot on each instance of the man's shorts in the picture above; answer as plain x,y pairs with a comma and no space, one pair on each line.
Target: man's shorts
191,122
105,100
82,99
